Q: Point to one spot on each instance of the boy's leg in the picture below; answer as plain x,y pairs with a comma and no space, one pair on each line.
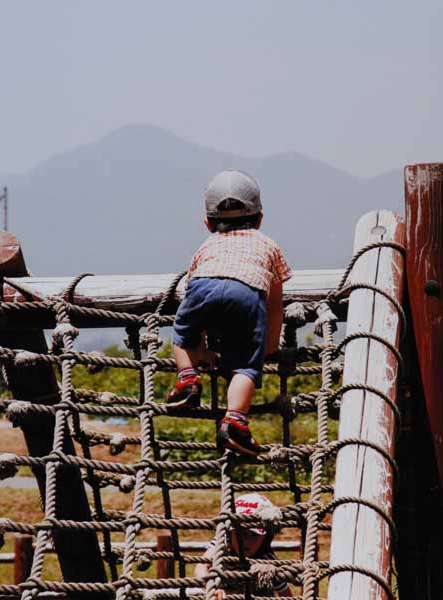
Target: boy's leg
187,358
234,431
188,347
243,331
240,393
187,389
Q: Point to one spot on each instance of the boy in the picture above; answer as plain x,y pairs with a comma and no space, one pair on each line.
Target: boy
234,294
255,540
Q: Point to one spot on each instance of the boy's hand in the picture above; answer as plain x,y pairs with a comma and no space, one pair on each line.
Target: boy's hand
285,356
220,595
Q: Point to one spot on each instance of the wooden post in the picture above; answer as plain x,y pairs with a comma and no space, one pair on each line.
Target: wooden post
424,219
165,566
23,555
78,552
360,535
419,557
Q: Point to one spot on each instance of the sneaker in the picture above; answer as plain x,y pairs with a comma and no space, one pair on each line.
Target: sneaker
236,436
185,393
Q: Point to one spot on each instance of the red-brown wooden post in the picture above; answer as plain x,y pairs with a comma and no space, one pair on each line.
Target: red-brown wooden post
419,556
23,555
165,566
424,219
78,552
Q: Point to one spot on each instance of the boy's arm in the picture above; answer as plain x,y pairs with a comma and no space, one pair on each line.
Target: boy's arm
202,569
274,317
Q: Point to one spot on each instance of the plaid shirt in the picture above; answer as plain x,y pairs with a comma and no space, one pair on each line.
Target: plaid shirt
246,255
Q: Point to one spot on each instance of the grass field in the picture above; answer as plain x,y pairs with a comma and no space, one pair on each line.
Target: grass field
24,504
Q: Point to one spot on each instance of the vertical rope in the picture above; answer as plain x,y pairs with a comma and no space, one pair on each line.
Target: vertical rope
221,532
43,537
310,586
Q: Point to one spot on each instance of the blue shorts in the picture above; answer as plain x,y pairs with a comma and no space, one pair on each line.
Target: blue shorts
233,315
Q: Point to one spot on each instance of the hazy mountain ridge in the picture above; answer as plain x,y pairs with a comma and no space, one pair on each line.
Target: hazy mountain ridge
132,202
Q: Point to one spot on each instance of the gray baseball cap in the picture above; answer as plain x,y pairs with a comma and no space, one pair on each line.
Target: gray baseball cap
236,185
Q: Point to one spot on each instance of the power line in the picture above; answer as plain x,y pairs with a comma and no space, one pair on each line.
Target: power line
4,199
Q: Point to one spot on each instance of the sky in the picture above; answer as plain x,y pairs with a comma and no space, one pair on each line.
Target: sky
356,84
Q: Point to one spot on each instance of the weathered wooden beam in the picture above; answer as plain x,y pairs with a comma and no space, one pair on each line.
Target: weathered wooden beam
78,552
136,292
361,536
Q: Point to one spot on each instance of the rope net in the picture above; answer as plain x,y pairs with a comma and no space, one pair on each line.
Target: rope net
303,471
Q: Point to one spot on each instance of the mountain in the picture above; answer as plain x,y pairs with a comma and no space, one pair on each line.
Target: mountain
132,203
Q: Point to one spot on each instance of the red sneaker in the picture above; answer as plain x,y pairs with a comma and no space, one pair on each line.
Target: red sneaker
236,436
185,393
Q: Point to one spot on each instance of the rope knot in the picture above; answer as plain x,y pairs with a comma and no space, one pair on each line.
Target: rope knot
143,561
296,313
271,517
61,330
318,454
152,321
32,582
8,467
277,456
7,355
117,443
58,456
127,484
106,398
264,576
148,340
310,573
132,518
325,315
17,411
127,580
24,358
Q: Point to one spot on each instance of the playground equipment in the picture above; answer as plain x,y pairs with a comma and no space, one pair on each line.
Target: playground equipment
387,387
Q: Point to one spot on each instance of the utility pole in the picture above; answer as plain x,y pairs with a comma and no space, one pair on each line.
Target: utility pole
4,199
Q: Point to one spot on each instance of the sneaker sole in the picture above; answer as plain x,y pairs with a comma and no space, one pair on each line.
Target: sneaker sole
193,400
232,445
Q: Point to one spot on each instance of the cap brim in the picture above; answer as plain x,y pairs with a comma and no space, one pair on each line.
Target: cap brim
257,530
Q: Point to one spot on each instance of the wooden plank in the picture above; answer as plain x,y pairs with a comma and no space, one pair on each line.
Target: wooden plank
135,292
360,536
79,552
424,219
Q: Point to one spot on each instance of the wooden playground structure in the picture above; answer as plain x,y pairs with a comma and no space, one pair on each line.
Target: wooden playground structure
387,497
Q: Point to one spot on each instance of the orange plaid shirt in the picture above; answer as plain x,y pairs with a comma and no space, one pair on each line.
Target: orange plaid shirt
246,255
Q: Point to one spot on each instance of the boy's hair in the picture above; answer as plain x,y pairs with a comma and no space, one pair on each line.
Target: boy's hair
224,224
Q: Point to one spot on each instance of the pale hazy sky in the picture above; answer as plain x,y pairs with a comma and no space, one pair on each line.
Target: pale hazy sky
355,83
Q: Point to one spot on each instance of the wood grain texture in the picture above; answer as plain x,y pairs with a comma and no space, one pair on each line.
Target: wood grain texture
132,292
424,222
360,536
